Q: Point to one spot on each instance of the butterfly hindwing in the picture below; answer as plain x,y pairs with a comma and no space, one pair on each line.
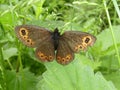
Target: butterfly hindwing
78,40
45,51
31,35
64,54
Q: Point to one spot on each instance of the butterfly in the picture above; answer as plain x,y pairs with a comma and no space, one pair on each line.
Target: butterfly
52,45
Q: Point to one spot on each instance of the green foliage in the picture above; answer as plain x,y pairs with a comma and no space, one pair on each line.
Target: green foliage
73,76
22,80
114,77
105,48
96,69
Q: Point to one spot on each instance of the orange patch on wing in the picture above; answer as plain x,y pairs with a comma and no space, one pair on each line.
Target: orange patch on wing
25,37
24,34
30,42
64,60
51,58
78,48
43,57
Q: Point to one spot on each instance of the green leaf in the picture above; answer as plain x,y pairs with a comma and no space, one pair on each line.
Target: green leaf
105,39
23,80
114,77
9,53
76,76
104,49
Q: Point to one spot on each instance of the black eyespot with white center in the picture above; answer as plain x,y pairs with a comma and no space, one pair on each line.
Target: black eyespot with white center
23,32
87,40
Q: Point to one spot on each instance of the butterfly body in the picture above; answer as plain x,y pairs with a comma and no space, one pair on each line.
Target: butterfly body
55,37
47,42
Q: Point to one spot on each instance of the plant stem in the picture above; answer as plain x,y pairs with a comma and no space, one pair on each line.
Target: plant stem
111,29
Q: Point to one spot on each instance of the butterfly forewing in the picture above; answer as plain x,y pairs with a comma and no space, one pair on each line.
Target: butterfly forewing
46,51
64,53
31,35
78,40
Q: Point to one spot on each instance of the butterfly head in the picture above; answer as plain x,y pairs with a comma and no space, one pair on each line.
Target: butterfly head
56,30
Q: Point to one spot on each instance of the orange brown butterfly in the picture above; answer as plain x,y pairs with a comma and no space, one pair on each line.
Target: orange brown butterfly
47,42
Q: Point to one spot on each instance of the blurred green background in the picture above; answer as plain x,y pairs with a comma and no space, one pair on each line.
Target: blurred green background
96,69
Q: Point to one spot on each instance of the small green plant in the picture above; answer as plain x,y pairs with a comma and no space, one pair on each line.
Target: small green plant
96,69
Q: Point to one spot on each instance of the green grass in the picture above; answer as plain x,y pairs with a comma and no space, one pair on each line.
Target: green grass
96,69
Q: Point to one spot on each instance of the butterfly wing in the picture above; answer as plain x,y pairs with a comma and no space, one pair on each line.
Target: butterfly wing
46,51
78,40
31,35
64,54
